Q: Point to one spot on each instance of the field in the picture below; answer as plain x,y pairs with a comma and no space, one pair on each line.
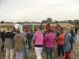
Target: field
74,53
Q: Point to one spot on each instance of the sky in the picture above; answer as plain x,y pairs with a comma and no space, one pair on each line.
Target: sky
38,10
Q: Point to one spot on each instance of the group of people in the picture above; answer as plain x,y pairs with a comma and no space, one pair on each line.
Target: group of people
14,43
52,37
17,42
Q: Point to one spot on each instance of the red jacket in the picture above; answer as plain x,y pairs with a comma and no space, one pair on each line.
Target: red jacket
60,39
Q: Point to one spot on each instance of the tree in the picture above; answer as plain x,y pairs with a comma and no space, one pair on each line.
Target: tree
41,25
76,22
49,20
2,21
44,21
69,21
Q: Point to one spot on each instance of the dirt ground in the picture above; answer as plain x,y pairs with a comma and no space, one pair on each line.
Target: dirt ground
74,53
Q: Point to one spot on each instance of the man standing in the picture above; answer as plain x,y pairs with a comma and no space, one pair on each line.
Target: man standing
3,39
29,37
9,44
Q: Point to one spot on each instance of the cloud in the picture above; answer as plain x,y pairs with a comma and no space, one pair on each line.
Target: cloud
21,10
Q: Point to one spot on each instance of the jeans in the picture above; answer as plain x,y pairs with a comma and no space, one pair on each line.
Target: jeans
9,53
71,46
25,52
60,50
30,43
38,51
19,54
49,52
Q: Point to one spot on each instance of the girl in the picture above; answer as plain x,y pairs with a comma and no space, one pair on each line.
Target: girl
67,44
60,43
49,43
38,42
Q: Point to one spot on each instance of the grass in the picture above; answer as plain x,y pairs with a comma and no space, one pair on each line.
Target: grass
74,53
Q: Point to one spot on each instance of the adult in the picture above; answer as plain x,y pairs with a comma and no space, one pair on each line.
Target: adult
38,43
47,26
67,44
26,51
29,38
9,44
57,28
0,41
19,42
60,43
76,29
49,42
72,31
3,39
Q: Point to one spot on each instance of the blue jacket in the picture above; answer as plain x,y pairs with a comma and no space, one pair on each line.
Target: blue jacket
72,36
67,45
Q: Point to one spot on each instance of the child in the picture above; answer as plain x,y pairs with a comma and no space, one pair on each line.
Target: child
67,44
60,43
49,42
38,43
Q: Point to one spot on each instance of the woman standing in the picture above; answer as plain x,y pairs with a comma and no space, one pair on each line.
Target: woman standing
67,44
38,42
60,43
19,45
49,42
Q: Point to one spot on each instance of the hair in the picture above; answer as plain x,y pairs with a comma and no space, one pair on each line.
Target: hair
60,32
36,29
8,28
68,29
18,31
50,30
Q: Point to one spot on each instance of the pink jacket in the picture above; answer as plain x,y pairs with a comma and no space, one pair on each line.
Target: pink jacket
38,38
49,40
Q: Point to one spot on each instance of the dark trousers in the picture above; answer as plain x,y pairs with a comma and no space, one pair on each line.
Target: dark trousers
29,43
71,45
2,47
60,50
49,52
71,42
